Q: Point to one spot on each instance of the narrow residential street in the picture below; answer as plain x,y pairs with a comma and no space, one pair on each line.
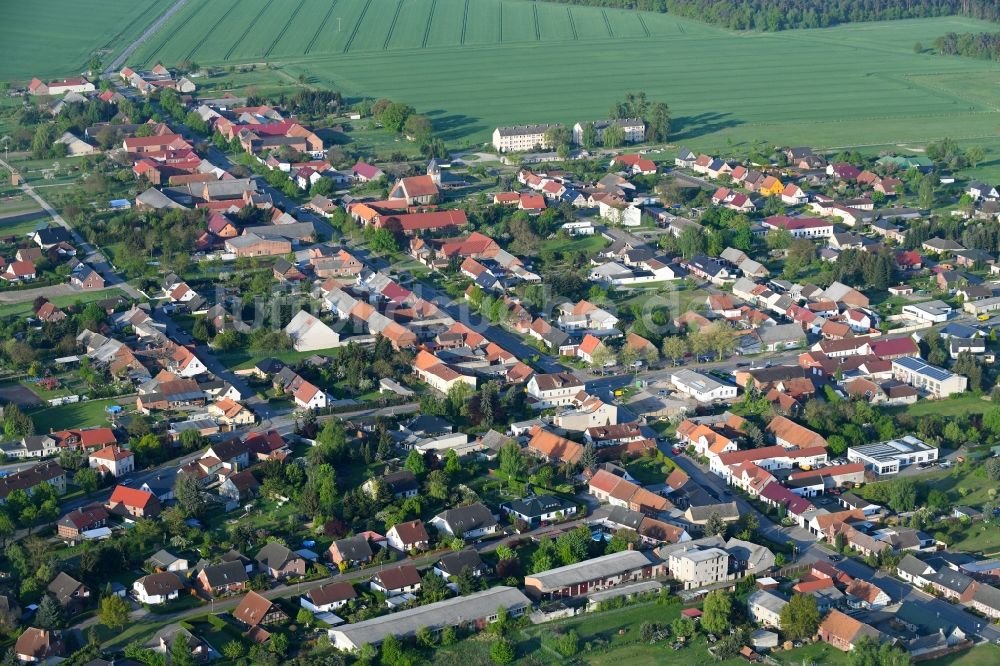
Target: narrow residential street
91,256
699,474
296,589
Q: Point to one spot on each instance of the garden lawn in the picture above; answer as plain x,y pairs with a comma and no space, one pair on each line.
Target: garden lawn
587,244
24,309
981,655
76,415
963,403
649,471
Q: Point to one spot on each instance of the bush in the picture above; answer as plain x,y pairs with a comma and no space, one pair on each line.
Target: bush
502,652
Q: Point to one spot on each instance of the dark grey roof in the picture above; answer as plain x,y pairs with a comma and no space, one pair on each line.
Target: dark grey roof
161,584
275,555
912,566
987,595
727,510
428,424
468,518
453,563
534,507
226,573
400,482
63,586
620,515
355,548
952,580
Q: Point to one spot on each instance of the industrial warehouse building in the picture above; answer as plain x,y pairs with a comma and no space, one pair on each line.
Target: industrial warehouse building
600,573
475,610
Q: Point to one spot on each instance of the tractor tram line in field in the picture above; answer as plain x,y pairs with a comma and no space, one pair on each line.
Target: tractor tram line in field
211,30
128,27
392,26
572,25
166,39
319,30
251,26
357,26
642,22
427,29
284,29
465,23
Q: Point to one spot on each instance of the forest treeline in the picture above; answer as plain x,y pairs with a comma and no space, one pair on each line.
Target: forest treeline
773,15
969,44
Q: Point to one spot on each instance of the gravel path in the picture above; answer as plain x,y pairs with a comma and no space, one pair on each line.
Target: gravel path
116,64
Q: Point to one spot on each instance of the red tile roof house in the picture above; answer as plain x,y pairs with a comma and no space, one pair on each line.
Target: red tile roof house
843,631
88,439
19,271
364,172
77,84
404,579
408,536
39,646
862,594
78,521
133,503
415,190
153,144
895,348
412,223
113,460
256,610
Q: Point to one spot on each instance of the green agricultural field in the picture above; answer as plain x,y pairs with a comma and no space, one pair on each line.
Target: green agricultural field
56,38
472,65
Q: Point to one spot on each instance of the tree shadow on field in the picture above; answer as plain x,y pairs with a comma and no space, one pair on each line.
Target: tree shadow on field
691,127
453,126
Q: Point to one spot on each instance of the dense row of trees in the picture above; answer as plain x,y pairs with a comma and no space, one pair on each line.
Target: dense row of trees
970,44
774,15
978,235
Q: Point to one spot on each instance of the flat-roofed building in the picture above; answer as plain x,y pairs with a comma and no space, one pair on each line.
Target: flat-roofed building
891,456
701,387
919,374
474,610
599,573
